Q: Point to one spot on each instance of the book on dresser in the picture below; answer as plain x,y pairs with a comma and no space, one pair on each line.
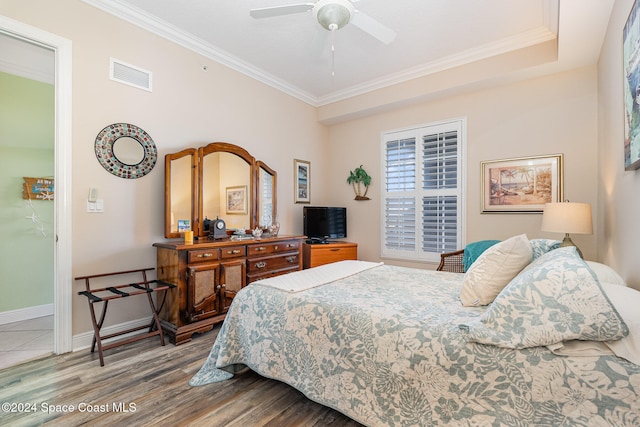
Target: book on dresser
315,254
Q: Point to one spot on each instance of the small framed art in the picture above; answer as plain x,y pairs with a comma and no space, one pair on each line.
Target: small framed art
237,200
302,174
521,185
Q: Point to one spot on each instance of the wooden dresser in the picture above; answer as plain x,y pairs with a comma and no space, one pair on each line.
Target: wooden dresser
209,273
317,254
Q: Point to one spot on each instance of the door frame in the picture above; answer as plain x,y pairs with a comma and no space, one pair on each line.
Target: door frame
62,47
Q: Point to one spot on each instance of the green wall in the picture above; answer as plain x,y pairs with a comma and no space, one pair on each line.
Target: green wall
26,150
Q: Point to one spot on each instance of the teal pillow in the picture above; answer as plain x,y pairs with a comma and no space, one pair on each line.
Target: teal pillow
555,298
473,250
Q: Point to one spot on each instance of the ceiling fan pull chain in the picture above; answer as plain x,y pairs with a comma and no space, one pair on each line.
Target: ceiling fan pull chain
333,56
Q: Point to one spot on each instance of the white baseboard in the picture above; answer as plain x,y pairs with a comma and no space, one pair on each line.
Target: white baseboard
26,313
83,340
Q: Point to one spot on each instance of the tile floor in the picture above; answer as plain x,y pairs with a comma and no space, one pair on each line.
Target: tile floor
26,340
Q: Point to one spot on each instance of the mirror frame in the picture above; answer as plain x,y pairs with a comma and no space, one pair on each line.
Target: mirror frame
104,150
261,165
198,154
167,188
224,147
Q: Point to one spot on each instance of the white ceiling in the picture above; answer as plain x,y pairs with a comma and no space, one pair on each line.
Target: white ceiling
293,52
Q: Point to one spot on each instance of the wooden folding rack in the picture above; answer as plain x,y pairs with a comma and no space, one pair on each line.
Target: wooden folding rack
104,295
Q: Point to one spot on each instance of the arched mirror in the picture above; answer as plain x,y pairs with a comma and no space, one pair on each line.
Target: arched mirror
226,186
180,185
219,180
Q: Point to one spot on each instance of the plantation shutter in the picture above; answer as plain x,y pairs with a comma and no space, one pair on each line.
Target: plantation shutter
422,208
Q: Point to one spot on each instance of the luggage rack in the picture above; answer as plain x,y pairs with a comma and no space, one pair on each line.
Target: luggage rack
106,294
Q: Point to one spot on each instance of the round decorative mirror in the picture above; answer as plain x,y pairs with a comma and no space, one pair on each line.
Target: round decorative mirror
126,151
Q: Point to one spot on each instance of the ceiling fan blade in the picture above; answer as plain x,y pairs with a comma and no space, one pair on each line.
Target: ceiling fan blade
269,12
369,25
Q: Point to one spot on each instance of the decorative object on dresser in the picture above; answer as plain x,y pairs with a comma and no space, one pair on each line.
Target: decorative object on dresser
219,180
315,254
208,274
357,178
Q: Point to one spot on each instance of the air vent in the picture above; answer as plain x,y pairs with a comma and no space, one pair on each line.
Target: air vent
130,75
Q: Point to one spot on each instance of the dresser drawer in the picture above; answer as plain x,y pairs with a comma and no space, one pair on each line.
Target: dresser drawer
320,254
270,248
267,274
273,262
233,252
202,255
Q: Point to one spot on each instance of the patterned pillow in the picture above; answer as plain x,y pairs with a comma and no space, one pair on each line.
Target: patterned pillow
542,246
494,269
556,298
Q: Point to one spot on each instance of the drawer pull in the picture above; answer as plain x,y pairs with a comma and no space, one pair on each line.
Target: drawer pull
234,252
261,264
292,258
335,249
261,248
207,255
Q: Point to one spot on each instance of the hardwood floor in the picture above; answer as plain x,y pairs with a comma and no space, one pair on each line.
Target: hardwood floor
144,384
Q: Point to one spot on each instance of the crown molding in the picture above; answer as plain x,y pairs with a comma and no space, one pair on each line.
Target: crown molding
163,29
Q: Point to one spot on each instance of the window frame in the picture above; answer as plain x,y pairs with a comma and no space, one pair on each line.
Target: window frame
418,193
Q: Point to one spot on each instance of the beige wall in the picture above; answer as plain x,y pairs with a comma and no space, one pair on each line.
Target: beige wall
577,113
548,115
619,227
188,107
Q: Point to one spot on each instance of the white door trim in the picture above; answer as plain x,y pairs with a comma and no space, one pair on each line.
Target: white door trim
62,204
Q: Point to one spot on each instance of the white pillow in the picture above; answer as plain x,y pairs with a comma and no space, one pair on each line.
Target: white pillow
494,269
605,273
626,301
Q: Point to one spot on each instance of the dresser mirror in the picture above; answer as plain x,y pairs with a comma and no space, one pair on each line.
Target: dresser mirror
219,180
180,185
266,195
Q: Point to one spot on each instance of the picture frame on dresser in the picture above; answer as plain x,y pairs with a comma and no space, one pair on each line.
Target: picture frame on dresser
302,175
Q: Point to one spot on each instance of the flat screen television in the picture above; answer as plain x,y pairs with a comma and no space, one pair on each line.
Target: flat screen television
322,223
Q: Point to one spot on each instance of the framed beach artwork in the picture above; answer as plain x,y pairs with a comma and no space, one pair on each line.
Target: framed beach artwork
521,185
301,173
631,57
237,200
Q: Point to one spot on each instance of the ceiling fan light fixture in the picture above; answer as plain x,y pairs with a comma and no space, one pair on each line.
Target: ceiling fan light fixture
333,15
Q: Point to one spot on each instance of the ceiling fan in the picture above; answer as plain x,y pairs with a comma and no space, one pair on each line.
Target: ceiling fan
332,15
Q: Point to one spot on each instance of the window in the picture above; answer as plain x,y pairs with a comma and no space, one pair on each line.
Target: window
423,207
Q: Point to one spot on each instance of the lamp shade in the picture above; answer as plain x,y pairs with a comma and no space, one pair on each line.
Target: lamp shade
567,217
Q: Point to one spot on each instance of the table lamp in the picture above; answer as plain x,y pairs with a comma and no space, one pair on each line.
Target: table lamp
566,217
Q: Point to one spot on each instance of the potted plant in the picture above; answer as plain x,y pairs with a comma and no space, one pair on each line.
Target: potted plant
358,178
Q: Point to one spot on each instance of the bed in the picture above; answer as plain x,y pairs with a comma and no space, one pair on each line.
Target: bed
391,346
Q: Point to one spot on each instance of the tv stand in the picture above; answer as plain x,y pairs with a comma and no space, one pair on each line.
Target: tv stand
314,254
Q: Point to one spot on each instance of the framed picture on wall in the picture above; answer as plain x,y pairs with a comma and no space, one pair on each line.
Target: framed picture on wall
521,185
631,57
237,200
301,173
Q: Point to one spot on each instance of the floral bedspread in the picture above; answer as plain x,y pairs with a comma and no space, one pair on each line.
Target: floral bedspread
384,347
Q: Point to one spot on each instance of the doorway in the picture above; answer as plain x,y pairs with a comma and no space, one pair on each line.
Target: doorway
62,298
